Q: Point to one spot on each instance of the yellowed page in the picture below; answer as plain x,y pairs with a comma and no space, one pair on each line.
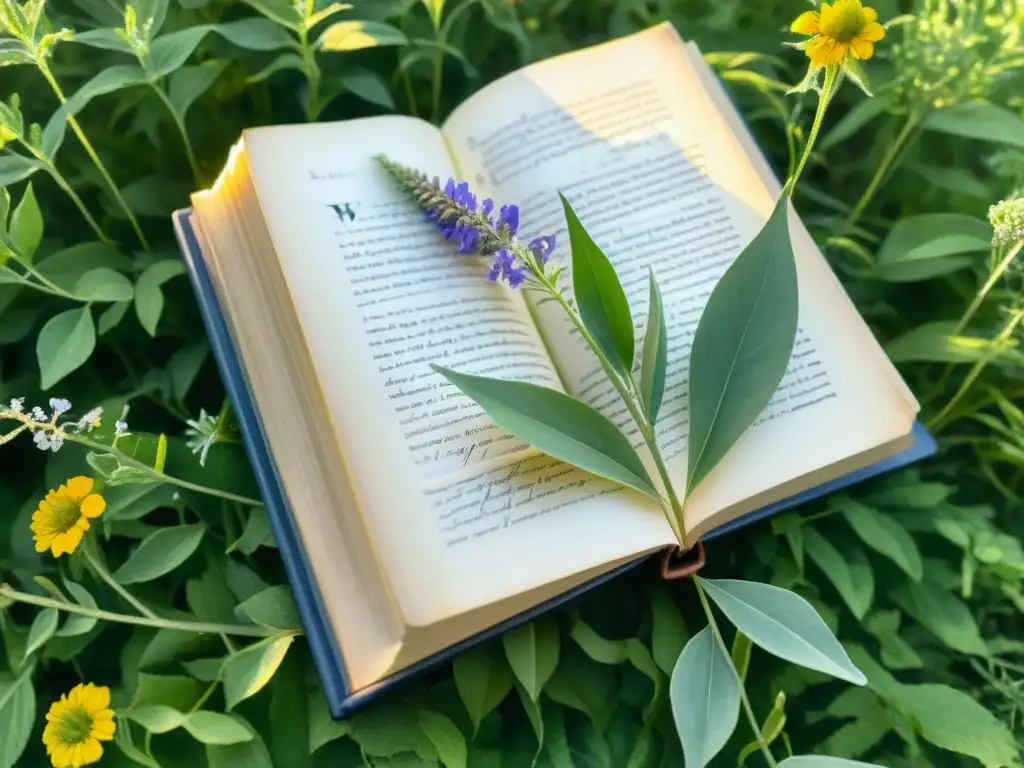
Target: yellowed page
628,133
379,295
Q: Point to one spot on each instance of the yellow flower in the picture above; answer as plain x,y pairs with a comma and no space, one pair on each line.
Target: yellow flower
77,724
840,30
63,516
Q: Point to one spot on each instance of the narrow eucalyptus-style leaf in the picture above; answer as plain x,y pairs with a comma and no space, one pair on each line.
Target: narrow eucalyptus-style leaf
742,344
782,623
705,696
602,302
557,424
654,361
532,652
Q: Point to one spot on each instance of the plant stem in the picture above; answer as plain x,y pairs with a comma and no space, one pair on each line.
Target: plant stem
92,153
239,630
128,597
992,280
747,709
438,72
880,173
828,90
312,71
192,162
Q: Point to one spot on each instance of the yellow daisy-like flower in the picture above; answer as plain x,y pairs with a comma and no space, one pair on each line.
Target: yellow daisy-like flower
77,724
63,516
844,28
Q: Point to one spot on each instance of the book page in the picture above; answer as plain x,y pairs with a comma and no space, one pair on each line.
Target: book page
629,135
380,295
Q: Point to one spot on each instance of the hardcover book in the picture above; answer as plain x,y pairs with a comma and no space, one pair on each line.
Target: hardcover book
410,525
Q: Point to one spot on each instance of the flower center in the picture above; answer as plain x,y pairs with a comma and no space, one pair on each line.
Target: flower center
65,514
846,21
75,726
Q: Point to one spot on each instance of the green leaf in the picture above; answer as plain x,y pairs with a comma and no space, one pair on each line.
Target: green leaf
885,536
784,624
246,672
355,35
742,344
978,120
323,728
668,630
15,168
76,624
168,52
557,424
943,614
368,86
533,714
44,625
435,8
149,299
17,715
189,83
835,567
931,244
822,761
125,743
483,679
602,302
157,718
389,729
655,354
109,80
584,686
65,343
740,654
251,754
274,608
256,534
771,729
705,697
959,181
855,118
104,284
215,728
446,738
26,227
895,652
160,553
256,34
532,653
954,720
937,342
175,691
289,714
284,61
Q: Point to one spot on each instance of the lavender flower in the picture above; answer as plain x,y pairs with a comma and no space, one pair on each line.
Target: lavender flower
120,428
59,405
456,212
17,405
37,414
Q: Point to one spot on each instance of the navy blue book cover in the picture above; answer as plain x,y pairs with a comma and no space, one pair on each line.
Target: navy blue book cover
343,701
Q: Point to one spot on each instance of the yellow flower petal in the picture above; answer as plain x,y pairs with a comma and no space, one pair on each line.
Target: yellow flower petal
96,697
93,505
872,33
825,16
75,696
103,730
60,756
825,50
79,487
862,49
806,23
870,14
43,543
92,751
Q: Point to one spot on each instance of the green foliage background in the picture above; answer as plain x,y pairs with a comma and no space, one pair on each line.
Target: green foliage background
919,572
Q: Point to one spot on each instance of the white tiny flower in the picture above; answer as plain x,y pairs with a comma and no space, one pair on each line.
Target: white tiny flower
42,440
18,404
1007,219
120,429
59,405
90,421
56,441
37,414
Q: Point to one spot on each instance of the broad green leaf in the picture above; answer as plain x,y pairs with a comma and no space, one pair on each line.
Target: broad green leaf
855,118
943,614
281,12
256,34
742,344
355,35
66,266
483,679
160,553
885,536
284,61
931,244
532,653
251,754
584,686
65,343
556,744
126,743
599,296
149,299
26,227
368,86
104,284
557,424
256,534
76,624
446,738
175,691
822,761
13,52
109,80
105,39
215,728
654,360
15,168
705,695
959,181
389,729
274,608
668,630
43,627
978,120
895,652
836,568
157,718
784,624
246,672
954,720
916,495
17,715
168,52
435,8
209,598
112,317
323,728
937,343
289,714
187,84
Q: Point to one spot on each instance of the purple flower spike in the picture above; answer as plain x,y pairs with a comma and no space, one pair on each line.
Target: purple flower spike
509,216
541,247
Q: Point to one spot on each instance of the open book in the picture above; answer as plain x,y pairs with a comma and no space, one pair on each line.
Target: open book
419,524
